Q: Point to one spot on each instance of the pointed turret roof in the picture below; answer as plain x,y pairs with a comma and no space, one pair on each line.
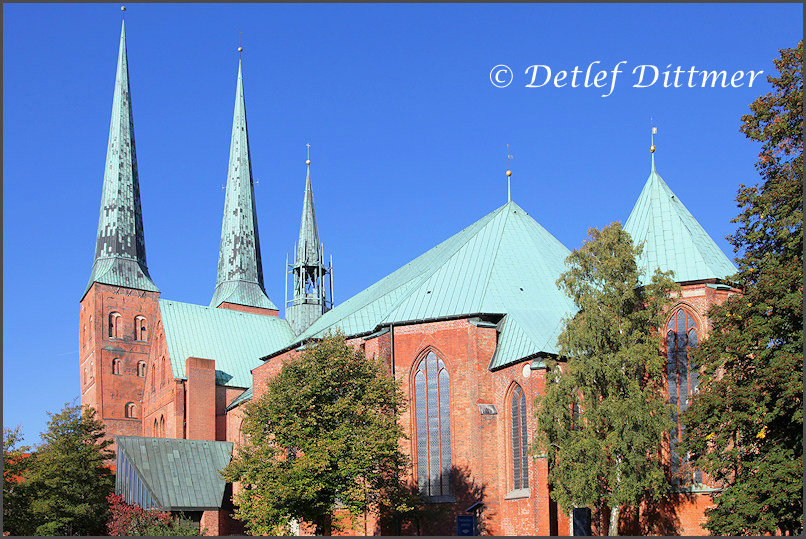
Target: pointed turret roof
309,251
673,239
120,251
240,271
505,263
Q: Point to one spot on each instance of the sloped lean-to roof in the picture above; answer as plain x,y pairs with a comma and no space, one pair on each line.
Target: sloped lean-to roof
505,263
234,339
673,239
171,474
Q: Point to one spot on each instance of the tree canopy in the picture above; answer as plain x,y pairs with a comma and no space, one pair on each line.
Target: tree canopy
69,477
746,425
323,437
16,494
604,413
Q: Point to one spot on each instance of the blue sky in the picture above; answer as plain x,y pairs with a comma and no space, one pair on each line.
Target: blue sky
408,138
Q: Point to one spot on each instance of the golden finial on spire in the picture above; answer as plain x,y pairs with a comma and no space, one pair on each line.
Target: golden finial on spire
123,8
308,148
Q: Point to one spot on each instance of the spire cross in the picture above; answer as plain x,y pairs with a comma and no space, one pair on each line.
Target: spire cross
308,150
240,45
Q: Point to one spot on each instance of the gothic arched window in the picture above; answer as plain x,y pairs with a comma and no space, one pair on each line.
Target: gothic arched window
114,326
683,376
130,410
162,426
141,368
116,366
433,418
162,372
140,328
520,465
155,432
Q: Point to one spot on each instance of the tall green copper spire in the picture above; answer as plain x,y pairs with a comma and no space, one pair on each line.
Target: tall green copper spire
240,272
120,250
309,301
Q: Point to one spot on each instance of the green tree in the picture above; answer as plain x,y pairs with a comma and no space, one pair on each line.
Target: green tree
746,424
16,494
324,436
604,414
69,478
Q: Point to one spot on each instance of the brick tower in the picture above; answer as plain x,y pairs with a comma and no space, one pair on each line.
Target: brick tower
239,282
120,301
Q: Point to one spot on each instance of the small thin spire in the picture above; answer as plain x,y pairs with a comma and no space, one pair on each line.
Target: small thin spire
509,174
652,132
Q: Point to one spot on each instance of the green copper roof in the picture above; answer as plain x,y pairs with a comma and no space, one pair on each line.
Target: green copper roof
674,240
120,249
243,397
505,263
240,271
176,474
235,340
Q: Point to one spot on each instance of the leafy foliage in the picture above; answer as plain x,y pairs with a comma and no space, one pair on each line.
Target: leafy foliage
69,479
604,413
746,424
16,494
132,520
324,436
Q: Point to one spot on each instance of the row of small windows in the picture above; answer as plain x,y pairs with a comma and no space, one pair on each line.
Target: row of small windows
117,362
116,327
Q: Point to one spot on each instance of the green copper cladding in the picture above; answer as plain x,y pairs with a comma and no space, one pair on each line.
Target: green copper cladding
309,252
673,239
120,250
503,264
234,339
240,271
171,474
309,301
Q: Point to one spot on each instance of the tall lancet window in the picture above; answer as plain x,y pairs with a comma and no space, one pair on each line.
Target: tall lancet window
432,401
681,338
520,465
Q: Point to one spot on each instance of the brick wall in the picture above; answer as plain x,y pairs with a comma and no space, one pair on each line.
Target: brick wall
109,364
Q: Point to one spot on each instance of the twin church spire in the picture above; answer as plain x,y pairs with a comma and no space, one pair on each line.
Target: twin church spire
240,271
120,250
120,258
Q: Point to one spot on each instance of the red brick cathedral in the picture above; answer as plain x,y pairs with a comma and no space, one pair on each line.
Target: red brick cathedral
466,328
